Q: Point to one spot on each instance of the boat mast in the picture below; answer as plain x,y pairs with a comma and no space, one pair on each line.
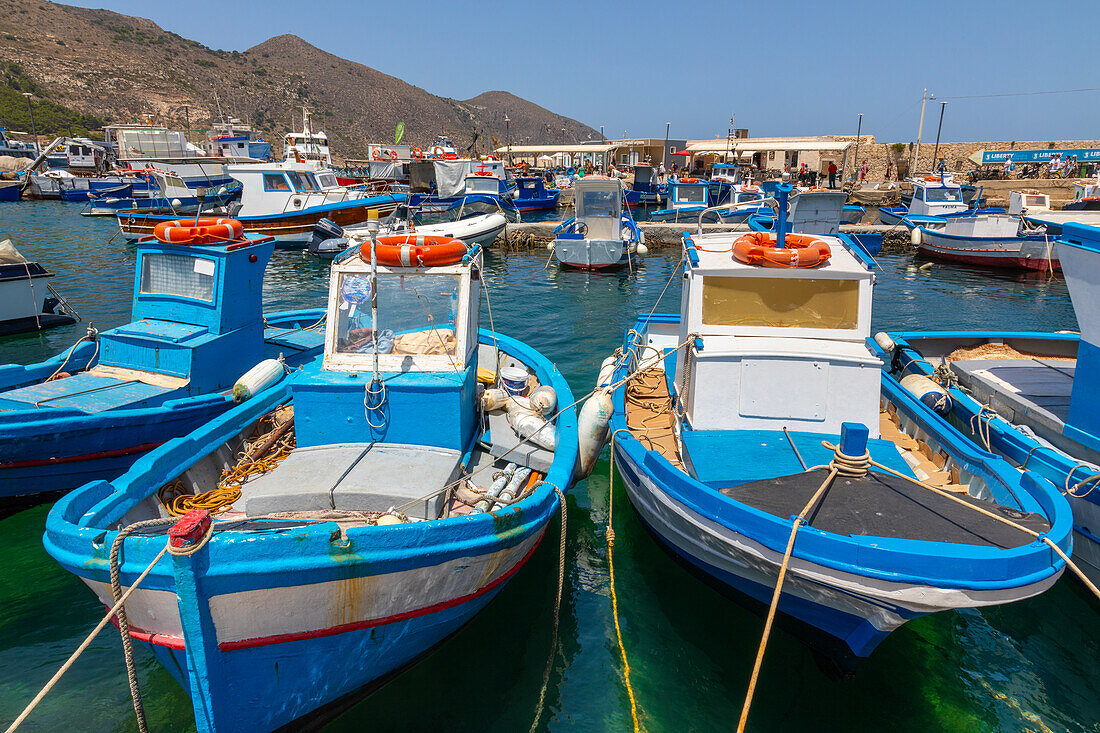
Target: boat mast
920,129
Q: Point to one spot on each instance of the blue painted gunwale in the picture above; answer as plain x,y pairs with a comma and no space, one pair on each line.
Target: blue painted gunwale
1053,466
935,564
349,204
81,438
77,536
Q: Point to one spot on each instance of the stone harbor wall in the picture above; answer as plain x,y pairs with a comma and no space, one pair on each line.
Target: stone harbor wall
956,155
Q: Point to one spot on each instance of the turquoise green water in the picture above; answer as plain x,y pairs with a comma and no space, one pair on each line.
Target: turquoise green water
1032,665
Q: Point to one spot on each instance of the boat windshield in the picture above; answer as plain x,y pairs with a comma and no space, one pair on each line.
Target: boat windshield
691,194
327,180
417,314
943,194
599,203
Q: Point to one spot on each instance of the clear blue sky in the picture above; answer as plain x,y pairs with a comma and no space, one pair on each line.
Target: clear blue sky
784,68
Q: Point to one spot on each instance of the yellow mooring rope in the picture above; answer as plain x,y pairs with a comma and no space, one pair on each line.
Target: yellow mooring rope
611,573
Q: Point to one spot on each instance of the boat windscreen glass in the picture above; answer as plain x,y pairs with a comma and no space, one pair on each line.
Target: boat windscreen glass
691,194
326,180
943,194
599,203
777,302
417,314
275,182
179,275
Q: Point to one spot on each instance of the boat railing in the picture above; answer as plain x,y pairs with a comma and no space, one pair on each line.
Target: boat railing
733,207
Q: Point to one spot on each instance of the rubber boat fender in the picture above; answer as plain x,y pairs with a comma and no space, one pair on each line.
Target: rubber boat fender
533,427
928,392
885,342
592,424
493,399
607,370
544,399
915,236
257,379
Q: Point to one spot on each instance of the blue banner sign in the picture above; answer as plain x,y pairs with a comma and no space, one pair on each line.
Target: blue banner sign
1084,155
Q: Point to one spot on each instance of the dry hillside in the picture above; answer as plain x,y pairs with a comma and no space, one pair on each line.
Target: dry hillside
117,68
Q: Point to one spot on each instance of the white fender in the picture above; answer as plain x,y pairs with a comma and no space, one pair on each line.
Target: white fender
592,425
257,379
914,236
928,392
607,370
544,399
530,425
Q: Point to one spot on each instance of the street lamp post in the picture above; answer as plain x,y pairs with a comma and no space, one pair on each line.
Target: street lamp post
859,128
508,134
936,151
34,131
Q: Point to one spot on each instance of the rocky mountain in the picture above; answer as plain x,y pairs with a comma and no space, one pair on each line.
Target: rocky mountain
118,68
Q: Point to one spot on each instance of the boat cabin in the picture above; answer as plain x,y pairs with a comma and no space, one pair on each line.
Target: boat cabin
644,179
684,195
1079,254
777,348
307,146
727,173
599,208
485,183
1028,201
269,188
933,198
426,340
1086,189
531,188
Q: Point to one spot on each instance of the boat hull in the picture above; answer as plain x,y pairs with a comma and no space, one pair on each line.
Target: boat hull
293,229
10,190
591,254
1032,252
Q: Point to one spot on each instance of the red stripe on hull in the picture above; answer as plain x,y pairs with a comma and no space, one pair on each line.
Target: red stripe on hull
175,642
1006,260
143,448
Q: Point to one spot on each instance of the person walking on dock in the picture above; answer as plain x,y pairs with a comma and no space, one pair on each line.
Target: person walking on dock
832,174
863,171
889,169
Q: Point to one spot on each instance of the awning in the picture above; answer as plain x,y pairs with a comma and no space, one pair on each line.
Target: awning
551,149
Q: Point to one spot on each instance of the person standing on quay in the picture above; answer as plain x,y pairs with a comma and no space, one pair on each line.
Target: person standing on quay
889,169
863,171
832,174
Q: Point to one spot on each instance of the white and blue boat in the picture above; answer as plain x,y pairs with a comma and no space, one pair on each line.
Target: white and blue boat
197,327
990,240
439,185
27,301
531,194
1033,398
285,201
821,212
736,411
602,234
170,196
935,199
687,197
402,501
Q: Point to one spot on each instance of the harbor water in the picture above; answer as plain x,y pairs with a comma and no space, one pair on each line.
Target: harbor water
1033,665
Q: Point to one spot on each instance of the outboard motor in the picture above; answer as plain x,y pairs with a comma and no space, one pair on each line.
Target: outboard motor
327,240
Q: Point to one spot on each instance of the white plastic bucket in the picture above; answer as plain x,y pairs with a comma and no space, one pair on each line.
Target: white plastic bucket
513,379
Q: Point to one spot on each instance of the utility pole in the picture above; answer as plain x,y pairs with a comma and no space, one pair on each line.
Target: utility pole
664,150
920,129
187,116
936,152
34,131
508,132
859,128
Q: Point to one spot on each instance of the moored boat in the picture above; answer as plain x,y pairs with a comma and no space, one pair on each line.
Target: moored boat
761,401
27,302
330,240
601,234
197,327
532,194
934,199
992,240
1030,397
400,500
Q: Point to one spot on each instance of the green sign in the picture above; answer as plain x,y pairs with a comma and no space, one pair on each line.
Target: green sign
399,133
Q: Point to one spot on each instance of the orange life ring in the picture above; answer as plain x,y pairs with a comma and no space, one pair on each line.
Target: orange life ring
417,153
201,231
931,178
801,250
415,250
393,155
689,180
483,173
437,151
376,155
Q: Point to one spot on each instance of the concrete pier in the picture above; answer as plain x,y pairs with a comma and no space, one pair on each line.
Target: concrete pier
667,233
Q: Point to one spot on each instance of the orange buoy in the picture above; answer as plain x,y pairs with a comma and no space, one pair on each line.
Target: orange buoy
199,231
689,180
800,250
415,250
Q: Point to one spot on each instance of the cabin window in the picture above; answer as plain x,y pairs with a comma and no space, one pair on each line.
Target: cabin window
1036,201
275,182
691,194
918,194
295,180
307,181
943,194
599,203
326,181
179,275
417,314
780,302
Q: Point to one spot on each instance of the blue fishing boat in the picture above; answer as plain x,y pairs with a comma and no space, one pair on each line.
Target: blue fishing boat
96,189
821,212
447,185
602,234
1030,397
761,401
10,190
687,197
643,189
197,327
989,240
171,196
532,194
395,501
